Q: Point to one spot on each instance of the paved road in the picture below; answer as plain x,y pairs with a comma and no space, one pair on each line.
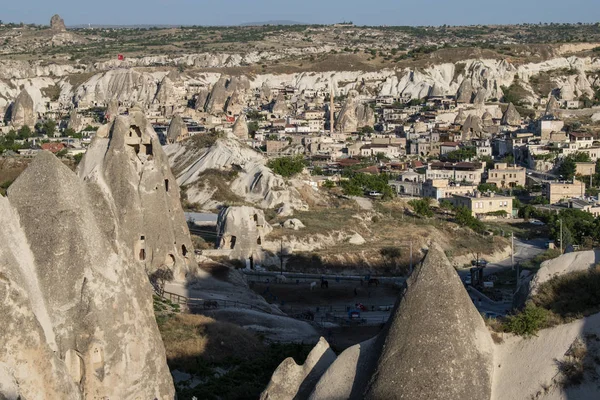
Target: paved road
524,250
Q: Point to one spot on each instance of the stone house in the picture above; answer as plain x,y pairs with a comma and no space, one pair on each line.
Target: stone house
556,191
481,204
507,176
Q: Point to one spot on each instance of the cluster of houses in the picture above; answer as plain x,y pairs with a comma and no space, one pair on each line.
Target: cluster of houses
438,147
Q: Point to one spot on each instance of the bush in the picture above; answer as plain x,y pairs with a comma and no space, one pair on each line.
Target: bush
287,166
527,322
422,207
464,217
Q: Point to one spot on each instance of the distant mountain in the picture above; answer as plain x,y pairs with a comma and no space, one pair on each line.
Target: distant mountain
277,22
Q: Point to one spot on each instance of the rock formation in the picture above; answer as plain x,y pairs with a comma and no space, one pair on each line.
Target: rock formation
200,100
22,111
472,128
280,107
178,130
242,230
292,381
218,97
236,103
465,92
77,309
253,182
240,127
354,115
165,96
57,24
511,116
75,121
461,117
130,177
480,97
487,119
553,106
435,346
112,111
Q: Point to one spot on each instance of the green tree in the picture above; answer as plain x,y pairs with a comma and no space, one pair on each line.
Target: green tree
287,166
253,127
488,187
24,132
49,128
328,184
365,130
464,217
317,171
69,132
422,207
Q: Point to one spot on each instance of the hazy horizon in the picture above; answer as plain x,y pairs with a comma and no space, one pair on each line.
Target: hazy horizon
236,12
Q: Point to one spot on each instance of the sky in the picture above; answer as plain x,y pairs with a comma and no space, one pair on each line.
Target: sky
361,12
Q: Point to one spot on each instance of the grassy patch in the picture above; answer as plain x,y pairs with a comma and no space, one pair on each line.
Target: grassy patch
231,362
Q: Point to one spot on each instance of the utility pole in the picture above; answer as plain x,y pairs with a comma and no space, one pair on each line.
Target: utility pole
411,260
331,108
561,237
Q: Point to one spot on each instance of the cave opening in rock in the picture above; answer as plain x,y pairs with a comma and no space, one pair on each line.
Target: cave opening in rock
183,250
232,245
166,185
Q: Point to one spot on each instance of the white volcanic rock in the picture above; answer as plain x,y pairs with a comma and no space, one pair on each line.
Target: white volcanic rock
129,174
511,116
22,111
218,97
294,224
81,304
254,181
242,230
177,131
354,115
75,121
240,127
280,107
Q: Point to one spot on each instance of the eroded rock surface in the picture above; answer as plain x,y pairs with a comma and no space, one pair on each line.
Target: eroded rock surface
23,113
80,305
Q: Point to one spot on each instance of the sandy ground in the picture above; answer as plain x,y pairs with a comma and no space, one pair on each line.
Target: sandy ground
529,368
363,203
275,326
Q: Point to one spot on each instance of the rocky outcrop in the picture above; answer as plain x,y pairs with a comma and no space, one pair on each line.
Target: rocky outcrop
77,310
354,115
218,97
461,117
487,119
465,92
511,116
243,172
479,100
200,100
57,24
553,106
129,174
292,381
294,224
280,107
472,128
75,121
177,131
240,127
112,111
242,230
22,113
435,346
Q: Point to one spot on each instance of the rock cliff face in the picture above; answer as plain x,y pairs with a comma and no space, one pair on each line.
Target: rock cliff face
251,179
435,346
76,306
57,24
75,121
242,230
129,174
511,116
23,113
218,97
240,128
280,107
177,131
354,115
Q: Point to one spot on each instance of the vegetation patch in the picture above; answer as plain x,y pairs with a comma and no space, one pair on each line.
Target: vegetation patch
224,360
287,166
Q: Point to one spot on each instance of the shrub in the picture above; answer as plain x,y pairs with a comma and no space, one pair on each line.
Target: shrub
422,207
287,166
527,322
464,217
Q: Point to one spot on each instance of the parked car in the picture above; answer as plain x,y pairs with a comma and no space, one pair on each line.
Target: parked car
479,263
